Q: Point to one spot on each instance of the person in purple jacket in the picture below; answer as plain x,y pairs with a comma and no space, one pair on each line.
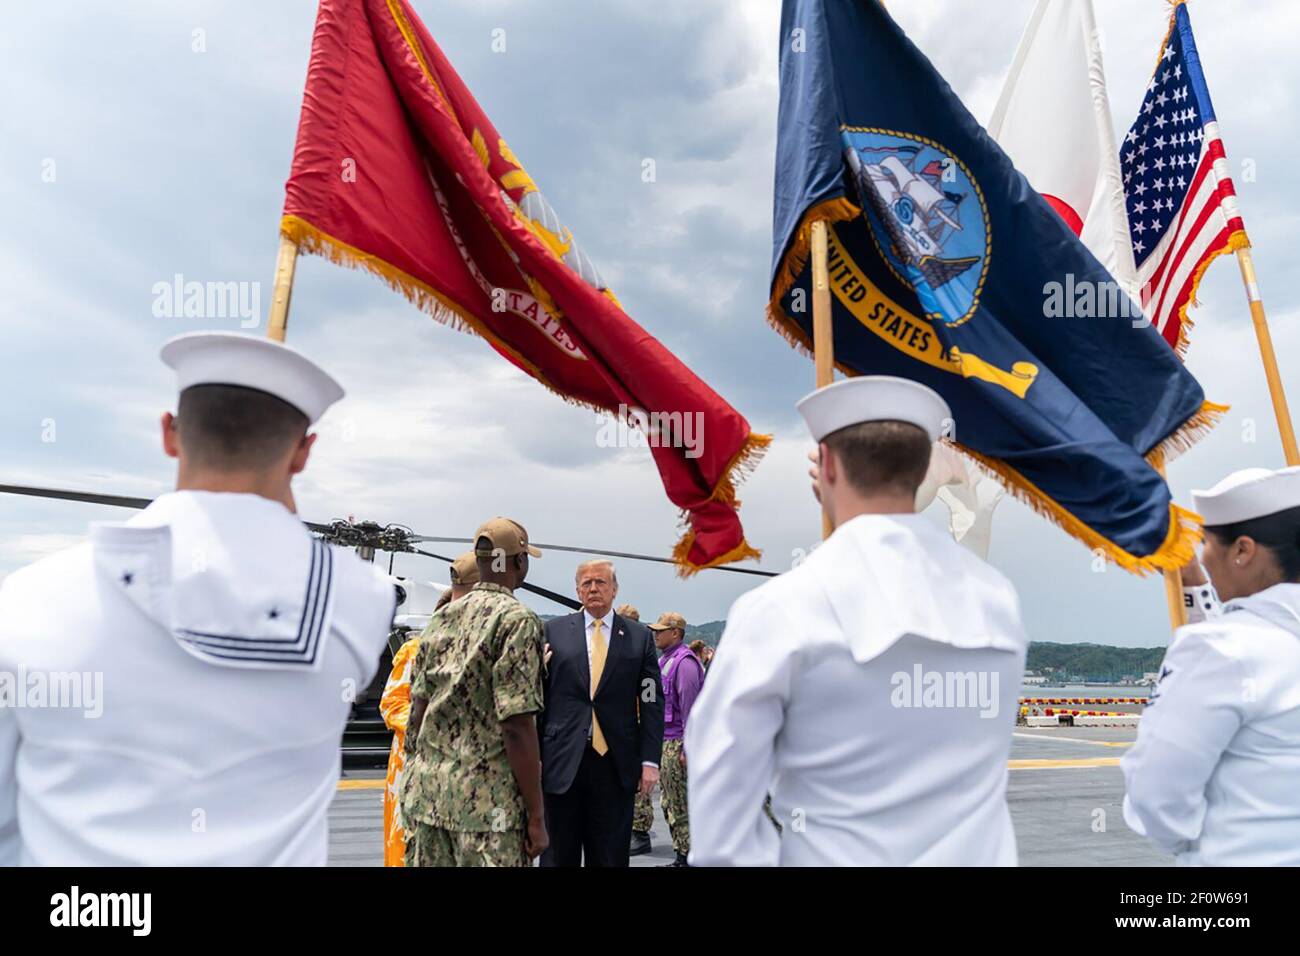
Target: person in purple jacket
682,675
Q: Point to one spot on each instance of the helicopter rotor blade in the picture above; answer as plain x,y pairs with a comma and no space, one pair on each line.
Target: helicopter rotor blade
568,602
120,501
89,497
632,556
126,501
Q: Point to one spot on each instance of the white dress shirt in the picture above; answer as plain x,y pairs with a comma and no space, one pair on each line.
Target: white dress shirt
820,695
1214,776
229,643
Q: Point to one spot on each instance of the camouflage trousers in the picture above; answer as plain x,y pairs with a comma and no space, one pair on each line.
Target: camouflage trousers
643,812
434,846
672,783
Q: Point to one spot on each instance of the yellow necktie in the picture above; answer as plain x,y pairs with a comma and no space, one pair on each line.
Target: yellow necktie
597,667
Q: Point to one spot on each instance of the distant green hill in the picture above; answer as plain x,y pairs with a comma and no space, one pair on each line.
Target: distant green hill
1092,662
1095,663
709,633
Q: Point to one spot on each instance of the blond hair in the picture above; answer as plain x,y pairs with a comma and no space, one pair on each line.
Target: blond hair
594,562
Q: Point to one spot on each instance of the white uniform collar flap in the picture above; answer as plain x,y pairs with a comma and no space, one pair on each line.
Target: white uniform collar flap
1279,605
889,576
236,579
138,562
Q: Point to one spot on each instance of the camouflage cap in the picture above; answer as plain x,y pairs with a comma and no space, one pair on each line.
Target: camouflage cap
667,620
464,570
506,536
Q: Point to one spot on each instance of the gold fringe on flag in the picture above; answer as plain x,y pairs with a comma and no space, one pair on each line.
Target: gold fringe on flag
424,297
687,568
1235,241
792,265
1176,550
1188,434
737,470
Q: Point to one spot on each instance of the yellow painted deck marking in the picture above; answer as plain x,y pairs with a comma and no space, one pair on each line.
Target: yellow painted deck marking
1078,740
1048,764
377,784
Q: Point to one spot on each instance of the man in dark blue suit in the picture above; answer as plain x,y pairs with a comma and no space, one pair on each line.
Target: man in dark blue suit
603,725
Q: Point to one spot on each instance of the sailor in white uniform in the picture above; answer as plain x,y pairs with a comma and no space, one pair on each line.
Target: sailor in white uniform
871,691
1214,777
173,691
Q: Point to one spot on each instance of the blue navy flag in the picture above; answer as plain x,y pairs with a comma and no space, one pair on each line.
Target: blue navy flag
947,268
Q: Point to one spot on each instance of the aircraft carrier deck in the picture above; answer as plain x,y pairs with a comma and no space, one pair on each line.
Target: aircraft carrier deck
1065,793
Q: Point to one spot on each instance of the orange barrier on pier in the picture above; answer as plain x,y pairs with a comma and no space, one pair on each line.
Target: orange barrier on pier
1079,701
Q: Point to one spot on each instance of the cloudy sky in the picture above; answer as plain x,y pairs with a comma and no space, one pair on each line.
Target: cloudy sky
129,157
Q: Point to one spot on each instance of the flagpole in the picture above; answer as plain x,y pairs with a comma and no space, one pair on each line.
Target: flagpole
1174,598
823,340
1269,357
278,319
1173,579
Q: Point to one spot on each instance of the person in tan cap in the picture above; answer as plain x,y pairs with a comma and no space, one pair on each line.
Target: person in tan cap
682,676
473,701
463,575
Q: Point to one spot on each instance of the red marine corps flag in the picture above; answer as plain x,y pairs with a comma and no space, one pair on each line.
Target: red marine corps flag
397,170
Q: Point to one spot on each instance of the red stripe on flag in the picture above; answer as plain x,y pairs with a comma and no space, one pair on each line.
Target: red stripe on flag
1202,170
1176,260
1173,325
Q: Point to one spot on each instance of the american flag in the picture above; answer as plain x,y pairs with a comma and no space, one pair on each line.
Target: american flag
1182,208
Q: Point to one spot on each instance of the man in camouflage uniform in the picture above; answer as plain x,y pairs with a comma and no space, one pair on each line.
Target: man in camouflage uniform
473,792
643,811
683,676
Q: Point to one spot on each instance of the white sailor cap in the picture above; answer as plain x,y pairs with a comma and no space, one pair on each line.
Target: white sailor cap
1247,494
874,398
250,361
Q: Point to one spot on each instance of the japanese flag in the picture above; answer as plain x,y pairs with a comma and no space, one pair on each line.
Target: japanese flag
1053,121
